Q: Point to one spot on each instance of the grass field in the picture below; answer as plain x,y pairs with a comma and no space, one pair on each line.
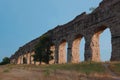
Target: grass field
82,67
81,71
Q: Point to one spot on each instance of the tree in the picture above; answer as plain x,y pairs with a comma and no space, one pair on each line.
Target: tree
42,50
5,60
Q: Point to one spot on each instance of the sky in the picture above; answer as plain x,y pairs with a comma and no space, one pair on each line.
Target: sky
24,20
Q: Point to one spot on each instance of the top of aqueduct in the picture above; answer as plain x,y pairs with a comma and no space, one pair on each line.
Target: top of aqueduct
84,24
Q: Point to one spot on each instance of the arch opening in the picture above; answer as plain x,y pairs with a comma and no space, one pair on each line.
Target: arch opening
101,45
82,49
63,52
105,45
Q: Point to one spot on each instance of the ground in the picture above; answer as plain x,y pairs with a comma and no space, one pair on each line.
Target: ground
81,71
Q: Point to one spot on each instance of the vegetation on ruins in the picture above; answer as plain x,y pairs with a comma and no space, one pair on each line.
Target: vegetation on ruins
92,9
5,60
42,50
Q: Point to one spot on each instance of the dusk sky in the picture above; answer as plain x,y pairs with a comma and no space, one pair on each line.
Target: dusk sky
24,20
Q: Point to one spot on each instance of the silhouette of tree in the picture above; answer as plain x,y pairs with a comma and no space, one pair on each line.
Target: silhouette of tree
42,50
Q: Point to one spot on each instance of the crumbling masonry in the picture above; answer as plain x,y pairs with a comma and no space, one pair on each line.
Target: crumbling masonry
89,26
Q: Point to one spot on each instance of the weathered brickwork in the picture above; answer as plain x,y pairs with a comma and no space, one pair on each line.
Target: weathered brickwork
89,26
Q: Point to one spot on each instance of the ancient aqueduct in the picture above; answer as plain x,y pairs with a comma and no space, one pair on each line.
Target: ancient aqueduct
89,26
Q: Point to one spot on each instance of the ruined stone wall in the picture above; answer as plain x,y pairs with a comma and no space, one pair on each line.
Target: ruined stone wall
89,26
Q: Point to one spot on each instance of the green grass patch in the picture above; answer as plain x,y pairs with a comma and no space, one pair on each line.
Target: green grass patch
86,67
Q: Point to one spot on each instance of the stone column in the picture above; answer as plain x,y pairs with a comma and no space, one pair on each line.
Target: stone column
69,52
18,60
115,43
62,52
28,58
76,50
92,50
56,54
88,51
21,59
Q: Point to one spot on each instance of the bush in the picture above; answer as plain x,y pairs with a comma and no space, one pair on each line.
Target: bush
5,60
42,50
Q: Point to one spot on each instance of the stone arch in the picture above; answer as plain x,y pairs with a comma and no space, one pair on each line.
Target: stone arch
62,52
75,49
95,43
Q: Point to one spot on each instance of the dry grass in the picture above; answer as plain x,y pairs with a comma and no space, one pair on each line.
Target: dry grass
82,71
